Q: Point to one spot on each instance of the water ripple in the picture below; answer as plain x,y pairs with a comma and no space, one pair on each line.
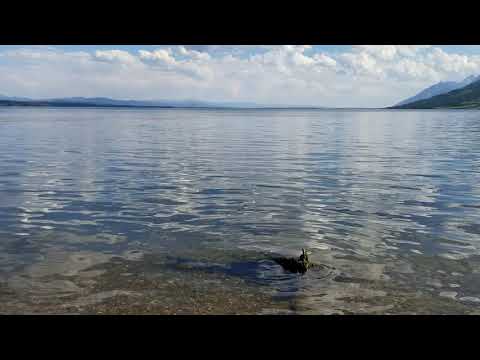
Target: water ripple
378,184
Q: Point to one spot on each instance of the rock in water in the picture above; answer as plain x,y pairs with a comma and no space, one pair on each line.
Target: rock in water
300,265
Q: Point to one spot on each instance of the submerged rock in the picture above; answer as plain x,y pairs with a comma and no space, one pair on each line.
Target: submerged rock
300,265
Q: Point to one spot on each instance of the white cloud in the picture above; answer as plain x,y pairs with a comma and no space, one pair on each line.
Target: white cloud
452,64
160,56
390,52
368,75
198,55
324,60
194,64
408,69
39,54
361,63
115,56
383,52
408,63
411,50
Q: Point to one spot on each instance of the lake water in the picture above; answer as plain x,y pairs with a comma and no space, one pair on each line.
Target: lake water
180,211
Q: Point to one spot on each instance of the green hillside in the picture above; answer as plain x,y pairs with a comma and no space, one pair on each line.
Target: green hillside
467,97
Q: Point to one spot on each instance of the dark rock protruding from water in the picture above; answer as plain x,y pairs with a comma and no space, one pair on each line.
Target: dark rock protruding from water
300,265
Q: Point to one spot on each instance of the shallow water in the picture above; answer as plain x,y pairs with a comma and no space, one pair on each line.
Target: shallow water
105,210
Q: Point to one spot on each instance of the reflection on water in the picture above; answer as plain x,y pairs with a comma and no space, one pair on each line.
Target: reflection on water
387,200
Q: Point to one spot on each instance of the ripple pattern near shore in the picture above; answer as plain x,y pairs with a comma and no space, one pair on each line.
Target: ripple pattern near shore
362,184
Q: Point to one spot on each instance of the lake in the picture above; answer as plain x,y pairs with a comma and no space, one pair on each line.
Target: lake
180,211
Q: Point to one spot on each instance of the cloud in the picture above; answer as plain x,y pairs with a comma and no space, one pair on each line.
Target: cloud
367,75
408,69
324,60
192,65
361,63
43,54
390,52
384,52
408,63
115,56
452,64
197,55
237,50
159,57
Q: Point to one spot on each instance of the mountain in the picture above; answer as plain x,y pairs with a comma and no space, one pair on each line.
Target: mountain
442,87
10,98
437,89
468,80
108,102
102,101
467,97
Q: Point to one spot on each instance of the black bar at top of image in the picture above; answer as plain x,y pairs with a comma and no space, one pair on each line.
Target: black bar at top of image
241,23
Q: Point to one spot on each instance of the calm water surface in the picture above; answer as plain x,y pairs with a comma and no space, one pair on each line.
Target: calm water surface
180,211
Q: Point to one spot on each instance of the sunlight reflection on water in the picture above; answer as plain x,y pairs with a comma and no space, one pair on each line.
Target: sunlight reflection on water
370,193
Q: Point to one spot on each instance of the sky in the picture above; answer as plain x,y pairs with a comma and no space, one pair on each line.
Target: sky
297,75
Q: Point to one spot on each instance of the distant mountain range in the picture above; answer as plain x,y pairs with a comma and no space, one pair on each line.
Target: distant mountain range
442,87
107,102
8,98
101,101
